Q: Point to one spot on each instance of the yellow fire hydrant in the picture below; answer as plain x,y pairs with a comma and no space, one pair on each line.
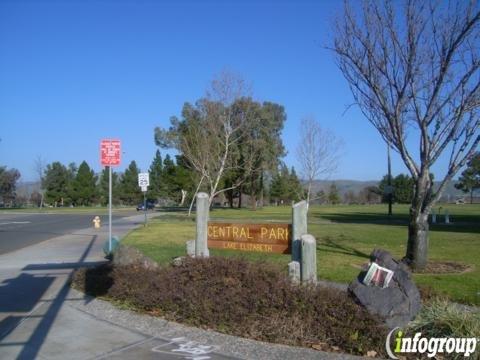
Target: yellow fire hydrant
96,222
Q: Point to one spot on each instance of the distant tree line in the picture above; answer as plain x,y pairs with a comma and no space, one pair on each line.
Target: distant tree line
69,185
173,182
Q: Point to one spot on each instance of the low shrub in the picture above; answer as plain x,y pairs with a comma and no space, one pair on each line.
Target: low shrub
441,318
238,297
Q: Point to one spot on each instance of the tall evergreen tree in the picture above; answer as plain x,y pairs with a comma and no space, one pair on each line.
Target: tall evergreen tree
262,137
295,186
185,178
279,186
286,186
156,177
169,186
469,180
103,187
84,186
8,184
72,170
56,183
168,178
403,189
333,195
131,193
403,186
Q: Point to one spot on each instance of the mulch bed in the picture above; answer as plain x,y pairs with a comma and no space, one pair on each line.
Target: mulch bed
241,298
445,267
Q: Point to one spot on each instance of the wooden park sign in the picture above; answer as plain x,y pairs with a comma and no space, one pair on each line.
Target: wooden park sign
266,238
272,238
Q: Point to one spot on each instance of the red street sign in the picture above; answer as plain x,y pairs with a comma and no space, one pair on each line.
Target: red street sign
110,152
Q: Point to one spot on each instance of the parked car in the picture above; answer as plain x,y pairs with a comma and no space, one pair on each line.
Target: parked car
150,206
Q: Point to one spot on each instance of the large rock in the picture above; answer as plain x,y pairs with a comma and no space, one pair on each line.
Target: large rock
127,255
399,302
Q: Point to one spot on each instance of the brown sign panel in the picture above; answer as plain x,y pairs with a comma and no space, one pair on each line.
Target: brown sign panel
250,237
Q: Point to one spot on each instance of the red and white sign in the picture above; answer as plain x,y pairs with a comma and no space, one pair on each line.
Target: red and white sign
110,152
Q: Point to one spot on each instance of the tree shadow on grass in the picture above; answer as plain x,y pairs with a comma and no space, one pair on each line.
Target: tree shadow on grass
458,223
366,218
172,209
330,246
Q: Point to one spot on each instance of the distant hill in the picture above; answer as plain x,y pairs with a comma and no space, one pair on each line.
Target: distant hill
344,186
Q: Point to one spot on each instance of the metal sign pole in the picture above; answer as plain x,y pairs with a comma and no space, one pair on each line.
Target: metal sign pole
143,182
110,154
145,207
110,209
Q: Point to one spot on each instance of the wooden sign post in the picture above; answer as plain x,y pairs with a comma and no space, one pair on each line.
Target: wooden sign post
265,238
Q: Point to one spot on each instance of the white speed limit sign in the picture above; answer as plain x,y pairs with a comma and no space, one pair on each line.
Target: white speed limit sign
143,180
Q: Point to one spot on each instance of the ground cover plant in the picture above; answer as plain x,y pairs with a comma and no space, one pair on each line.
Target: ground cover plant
440,318
346,234
243,298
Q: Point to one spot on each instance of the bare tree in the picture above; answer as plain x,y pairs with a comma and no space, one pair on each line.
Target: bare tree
317,153
39,167
413,69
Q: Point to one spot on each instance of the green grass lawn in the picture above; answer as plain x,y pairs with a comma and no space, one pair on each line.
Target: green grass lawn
345,237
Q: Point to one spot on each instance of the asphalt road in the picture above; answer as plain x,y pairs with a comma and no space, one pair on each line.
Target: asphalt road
18,230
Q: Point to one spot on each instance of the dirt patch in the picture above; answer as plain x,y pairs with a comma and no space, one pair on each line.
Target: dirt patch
242,298
445,267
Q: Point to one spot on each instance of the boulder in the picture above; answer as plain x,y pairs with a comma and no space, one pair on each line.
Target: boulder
126,255
396,304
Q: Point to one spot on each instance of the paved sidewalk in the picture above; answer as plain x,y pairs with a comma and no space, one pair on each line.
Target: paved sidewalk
41,317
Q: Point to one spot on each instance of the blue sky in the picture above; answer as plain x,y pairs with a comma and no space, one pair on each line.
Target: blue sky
74,72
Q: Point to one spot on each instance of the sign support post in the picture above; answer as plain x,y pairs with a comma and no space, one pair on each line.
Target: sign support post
110,156
144,182
109,209
145,207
